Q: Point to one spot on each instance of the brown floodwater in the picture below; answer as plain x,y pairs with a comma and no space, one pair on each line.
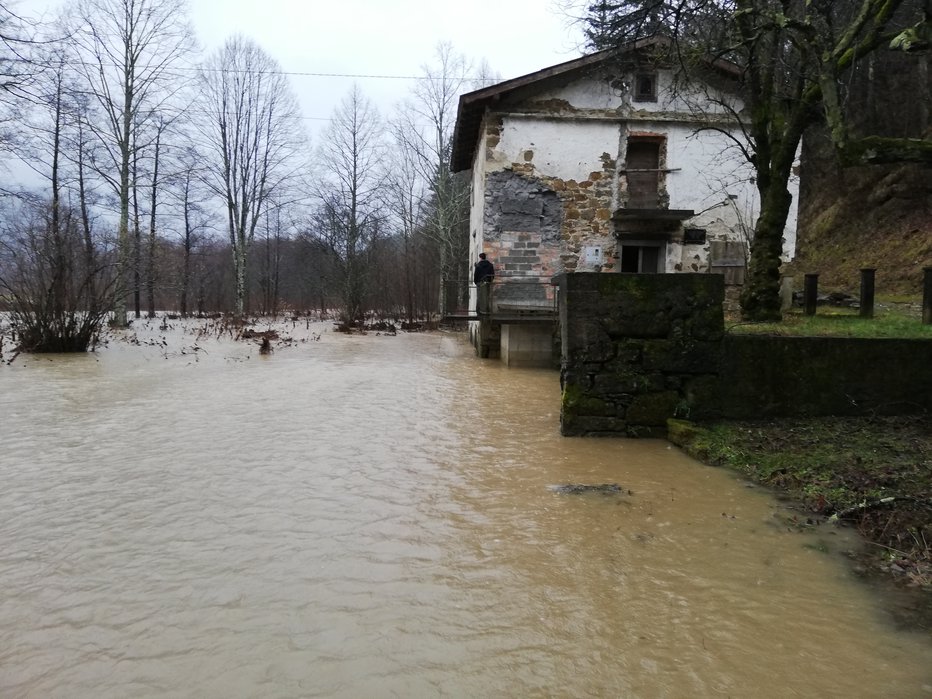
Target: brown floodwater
371,516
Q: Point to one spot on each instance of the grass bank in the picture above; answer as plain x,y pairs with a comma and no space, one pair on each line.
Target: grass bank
872,473
891,319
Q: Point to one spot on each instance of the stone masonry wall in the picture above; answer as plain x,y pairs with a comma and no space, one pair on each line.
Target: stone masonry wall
637,350
568,214
640,349
808,376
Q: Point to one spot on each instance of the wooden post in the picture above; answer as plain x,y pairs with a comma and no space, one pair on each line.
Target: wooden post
927,296
867,292
811,292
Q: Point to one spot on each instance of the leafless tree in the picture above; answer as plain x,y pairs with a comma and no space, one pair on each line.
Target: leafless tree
189,200
252,138
424,127
349,217
50,278
20,67
130,53
406,193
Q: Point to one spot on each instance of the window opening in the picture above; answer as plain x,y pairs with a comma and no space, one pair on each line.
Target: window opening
645,87
643,172
641,258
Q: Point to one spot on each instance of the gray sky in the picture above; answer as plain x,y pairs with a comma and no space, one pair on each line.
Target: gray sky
386,37
349,38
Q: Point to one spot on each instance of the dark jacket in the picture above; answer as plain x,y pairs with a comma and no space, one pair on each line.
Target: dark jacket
485,270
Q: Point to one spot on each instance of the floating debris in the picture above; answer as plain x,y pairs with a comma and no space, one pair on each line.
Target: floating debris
579,488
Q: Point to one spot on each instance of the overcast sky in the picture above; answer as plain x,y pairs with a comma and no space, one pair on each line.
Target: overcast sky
347,39
386,38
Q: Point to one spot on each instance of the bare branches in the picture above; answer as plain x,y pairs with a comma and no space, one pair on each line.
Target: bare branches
349,219
252,137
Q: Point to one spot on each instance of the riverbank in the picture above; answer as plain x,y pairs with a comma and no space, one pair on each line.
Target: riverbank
871,473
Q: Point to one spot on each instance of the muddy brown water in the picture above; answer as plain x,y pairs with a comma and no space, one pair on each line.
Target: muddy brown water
371,517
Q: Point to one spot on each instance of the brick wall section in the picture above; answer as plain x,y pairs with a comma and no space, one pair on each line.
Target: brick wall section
568,213
587,207
637,350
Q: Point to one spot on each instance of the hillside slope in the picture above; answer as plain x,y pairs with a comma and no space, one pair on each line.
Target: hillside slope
877,216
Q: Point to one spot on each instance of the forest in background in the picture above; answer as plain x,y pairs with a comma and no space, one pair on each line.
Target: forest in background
144,175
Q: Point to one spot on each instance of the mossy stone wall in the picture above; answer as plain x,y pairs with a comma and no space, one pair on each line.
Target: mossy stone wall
637,350
810,376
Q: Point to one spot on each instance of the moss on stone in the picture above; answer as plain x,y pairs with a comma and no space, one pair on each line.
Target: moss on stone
652,408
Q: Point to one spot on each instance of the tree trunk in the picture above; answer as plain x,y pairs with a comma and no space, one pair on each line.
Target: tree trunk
760,299
239,280
137,240
186,264
150,261
89,253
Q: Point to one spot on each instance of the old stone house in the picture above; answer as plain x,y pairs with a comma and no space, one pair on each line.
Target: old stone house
607,163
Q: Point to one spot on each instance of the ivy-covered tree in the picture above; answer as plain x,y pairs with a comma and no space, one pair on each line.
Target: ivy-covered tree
793,59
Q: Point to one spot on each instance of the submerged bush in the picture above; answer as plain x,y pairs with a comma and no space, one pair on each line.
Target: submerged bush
52,283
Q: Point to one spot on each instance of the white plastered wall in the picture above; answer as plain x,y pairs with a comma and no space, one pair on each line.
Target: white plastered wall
708,173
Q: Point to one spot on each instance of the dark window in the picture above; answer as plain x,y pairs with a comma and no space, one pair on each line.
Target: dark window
639,258
694,236
643,172
645,87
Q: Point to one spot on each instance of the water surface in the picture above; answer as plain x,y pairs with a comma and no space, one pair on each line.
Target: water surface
370,517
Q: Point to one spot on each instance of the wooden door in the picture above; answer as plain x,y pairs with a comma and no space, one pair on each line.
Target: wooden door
643,170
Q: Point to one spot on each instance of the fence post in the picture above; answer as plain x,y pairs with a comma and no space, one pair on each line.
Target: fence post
867,292
811,292
786,293
927,296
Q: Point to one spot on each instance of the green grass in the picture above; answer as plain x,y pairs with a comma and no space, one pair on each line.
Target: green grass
835,322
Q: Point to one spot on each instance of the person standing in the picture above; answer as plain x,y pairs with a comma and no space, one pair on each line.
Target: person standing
482,277
485,270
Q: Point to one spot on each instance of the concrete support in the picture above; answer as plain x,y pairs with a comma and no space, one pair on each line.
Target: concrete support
527,345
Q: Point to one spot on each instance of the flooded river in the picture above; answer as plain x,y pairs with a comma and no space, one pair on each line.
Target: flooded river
370,517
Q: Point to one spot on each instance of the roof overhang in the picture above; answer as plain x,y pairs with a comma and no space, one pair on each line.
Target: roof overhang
472,105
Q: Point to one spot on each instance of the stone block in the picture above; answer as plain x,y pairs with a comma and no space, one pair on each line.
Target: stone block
653,409
592,426
682,356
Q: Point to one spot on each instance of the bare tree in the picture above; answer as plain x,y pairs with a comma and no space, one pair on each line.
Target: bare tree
151,243
349,217
19,69
252,137
405,195
424,127
189,197
49,276
130,53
